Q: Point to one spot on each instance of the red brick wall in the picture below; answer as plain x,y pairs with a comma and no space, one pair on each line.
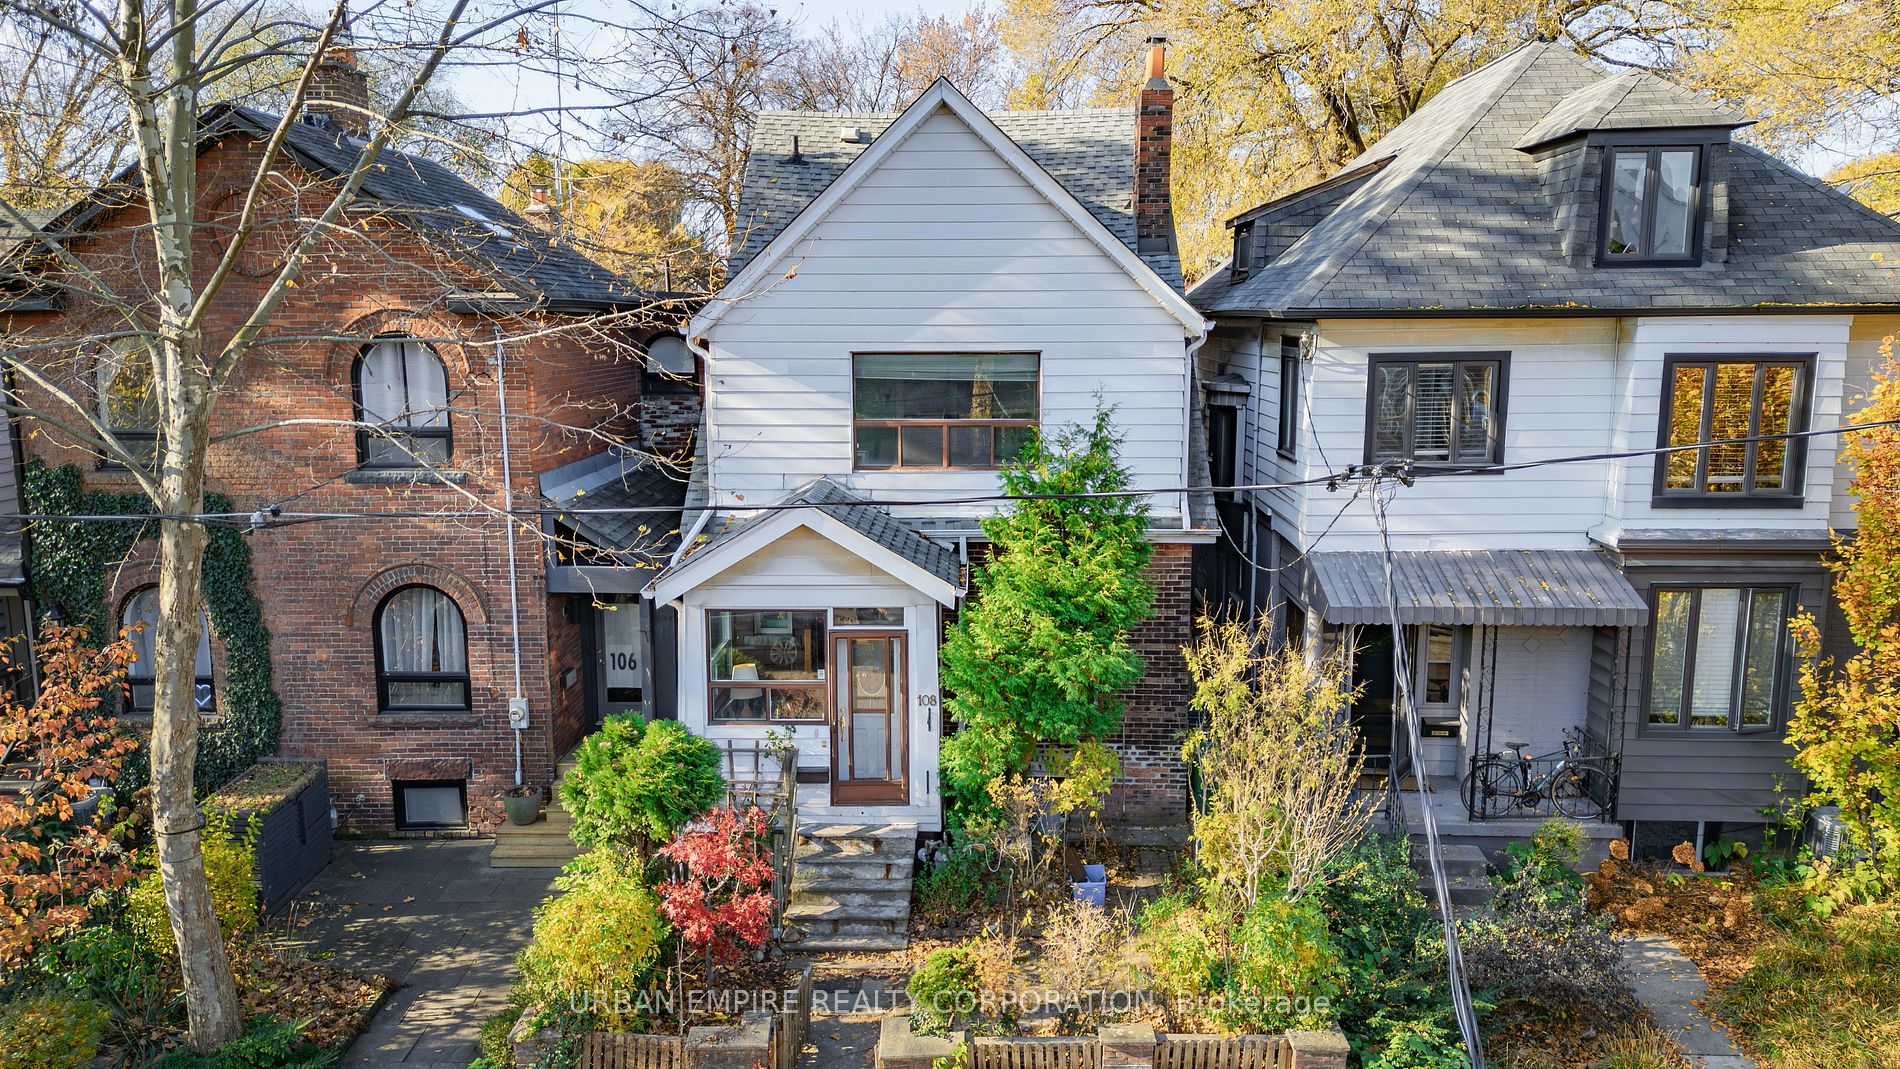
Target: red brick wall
1152,789
320,582
1154,144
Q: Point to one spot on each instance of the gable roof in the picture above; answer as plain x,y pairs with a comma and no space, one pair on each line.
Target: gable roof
1461,221
1082,161
524,262
836,513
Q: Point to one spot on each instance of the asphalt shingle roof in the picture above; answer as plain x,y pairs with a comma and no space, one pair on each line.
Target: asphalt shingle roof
595,489
1090,151
1462,220
862,516
1634,100
521,259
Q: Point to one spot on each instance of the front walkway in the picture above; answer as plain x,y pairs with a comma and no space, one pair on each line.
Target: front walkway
435,918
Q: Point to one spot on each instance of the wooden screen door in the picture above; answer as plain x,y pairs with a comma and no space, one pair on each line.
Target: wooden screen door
870,734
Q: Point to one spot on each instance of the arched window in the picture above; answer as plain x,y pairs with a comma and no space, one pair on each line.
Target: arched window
421,651
140,619
670,366
402,394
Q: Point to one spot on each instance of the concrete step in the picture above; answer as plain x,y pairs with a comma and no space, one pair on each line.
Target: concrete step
862,944
1461,859
1465,890
531,859
853,867
852,847
870,907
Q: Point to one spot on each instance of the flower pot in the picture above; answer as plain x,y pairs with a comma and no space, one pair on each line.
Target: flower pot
522,808
1093,886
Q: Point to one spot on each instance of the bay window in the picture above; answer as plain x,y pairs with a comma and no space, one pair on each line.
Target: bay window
1718,658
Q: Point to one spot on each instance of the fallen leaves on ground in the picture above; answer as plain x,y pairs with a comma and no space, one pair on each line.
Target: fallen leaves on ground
338,1004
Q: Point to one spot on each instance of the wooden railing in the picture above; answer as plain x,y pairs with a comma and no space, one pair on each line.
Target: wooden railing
763,775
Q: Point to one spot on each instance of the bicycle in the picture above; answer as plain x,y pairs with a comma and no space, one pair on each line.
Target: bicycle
1499,784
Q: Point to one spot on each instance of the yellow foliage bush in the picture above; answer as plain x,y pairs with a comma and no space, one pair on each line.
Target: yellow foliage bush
230,868
50,1032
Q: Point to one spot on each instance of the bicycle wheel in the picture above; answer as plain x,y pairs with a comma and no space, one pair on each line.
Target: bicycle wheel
1573,794
1490,789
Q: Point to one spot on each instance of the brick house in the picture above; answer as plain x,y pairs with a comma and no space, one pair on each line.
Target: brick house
398,641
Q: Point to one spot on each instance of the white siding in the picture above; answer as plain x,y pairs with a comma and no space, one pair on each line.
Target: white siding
1863,355
1541,687
1638,412
942,248
804,570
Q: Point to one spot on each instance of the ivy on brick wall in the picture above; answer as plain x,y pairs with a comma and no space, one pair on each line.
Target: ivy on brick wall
67,565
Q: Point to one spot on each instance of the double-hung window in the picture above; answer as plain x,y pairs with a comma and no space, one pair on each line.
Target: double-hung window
942,410
1742,404
1291,413
139,617
128,397
1652,196
402,402
1718,658
1443,409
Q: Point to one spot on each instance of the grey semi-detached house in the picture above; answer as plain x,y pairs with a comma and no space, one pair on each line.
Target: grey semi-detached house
1550,261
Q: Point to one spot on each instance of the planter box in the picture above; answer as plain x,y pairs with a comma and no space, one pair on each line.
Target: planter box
291,801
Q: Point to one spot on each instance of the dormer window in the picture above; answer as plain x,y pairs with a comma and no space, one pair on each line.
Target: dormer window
1652,198
1243,249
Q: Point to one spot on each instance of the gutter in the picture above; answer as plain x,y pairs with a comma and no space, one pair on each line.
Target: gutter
1187,425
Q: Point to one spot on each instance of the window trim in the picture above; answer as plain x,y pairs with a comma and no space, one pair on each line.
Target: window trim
823,686
663,382
363,434
1794,496
398,810
858,424
1291,409
1782,700
1491,465
1653,146
384,677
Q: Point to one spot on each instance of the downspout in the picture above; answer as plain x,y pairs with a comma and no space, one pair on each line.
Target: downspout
1187,425
517,706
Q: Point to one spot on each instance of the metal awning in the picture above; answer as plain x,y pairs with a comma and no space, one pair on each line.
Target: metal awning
1523,588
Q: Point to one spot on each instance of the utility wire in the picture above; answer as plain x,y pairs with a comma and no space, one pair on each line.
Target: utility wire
1462,1007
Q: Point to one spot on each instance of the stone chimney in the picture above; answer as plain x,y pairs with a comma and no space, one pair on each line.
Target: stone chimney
1154,141
339,92
540,209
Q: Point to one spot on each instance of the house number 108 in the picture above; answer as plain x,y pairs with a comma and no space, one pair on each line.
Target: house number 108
927,701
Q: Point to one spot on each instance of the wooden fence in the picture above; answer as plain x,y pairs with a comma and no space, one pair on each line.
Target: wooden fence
1061,1052
794,1021
612,1050
1178,1051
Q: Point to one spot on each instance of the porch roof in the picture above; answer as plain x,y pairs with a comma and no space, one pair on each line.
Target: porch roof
1523,588
625,504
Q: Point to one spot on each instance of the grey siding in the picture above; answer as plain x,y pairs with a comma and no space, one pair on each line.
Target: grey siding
1714,775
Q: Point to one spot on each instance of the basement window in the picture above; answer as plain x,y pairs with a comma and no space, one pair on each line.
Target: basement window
426,805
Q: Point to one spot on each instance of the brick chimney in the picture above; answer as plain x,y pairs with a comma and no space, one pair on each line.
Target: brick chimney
339,92
540,209
1154,141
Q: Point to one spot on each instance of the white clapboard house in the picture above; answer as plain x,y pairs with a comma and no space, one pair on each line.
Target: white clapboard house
913,292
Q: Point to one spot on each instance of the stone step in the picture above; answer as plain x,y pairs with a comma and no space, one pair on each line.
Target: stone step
809,871
1460,859
852,848
531,859
862,944
809,932
1465,890
861,907
904,832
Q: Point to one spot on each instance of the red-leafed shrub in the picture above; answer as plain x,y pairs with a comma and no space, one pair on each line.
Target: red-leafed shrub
722,903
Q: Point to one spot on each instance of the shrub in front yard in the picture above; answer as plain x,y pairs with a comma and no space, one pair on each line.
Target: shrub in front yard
722,904
270,1043
942,989
50,1032
230,869
956,884
602,934
635,783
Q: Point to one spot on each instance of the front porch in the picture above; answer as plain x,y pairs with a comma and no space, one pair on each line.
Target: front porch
1457,828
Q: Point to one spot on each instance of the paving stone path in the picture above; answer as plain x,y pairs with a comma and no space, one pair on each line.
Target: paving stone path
1669,986
434,917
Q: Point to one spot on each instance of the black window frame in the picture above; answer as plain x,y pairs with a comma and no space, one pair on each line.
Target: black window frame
141,443
1458,359
1223,446
384,677
665,382
1793,494
1653,147
859,424
1241,261
364,435
135,677
1292,390
402,821
1780,703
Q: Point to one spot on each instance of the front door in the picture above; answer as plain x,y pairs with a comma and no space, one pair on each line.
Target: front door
1372,675
870,737
623,676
